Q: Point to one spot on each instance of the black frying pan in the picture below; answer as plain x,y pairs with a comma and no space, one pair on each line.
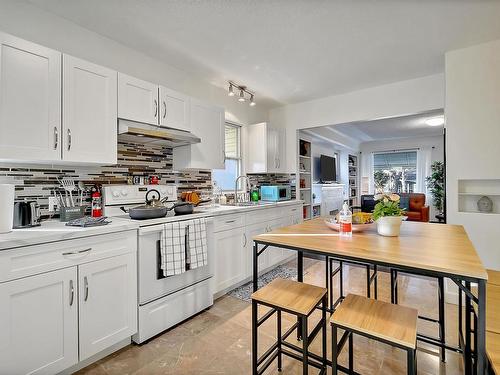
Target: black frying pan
186,208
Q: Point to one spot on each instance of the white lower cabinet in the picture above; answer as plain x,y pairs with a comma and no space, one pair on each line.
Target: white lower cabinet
107,290
252,231
39,323
52,320
229,258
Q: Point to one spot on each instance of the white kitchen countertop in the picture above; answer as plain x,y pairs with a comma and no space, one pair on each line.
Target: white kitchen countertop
54,230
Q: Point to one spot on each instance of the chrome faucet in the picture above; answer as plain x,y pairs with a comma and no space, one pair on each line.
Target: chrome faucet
236,187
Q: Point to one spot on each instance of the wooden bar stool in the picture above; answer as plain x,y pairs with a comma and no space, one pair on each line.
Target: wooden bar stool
391,324
440,321
331,272
298,299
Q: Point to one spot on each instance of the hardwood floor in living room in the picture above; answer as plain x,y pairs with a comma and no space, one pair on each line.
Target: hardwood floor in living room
218,341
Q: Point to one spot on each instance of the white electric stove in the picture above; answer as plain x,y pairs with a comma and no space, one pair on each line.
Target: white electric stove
163,301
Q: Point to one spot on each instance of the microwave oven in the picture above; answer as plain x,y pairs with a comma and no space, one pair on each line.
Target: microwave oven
275,193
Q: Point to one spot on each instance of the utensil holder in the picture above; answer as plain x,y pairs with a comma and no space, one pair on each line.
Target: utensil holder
71,213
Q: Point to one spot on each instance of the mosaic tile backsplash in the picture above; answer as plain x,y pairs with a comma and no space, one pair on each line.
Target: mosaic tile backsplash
273,179
36,182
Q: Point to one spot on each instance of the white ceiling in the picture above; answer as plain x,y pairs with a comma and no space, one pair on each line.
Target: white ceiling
291,50
391,128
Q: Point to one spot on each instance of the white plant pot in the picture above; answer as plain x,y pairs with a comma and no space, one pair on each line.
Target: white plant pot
389,225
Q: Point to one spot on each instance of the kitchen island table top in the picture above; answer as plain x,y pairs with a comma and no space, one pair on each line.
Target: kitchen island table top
441,248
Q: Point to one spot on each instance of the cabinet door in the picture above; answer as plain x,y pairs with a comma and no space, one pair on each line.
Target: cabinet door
251,232
257,148
229,258
89,112
39,323
108,303
280,150
275,253
207,122
272,150
174,109
30,101
137,100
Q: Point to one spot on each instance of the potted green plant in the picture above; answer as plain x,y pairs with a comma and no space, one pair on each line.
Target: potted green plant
388,215
435,184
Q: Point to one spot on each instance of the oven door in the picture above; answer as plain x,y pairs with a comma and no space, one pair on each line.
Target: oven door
152,283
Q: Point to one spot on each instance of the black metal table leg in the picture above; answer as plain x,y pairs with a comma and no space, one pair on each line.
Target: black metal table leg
323,316
442,327
481,329
368,284
460,319
278,336
255,266
375,281
467,349
351,353
411,362
300,278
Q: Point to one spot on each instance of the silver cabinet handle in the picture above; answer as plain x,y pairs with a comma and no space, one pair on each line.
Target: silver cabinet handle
279,163
56,138
86,286
71,293
69,139
245,238
164,109
156,107
230,221
77,252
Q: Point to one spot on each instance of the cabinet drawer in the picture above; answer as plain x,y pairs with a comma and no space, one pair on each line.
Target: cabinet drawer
227,222
292,210
261,215
31,260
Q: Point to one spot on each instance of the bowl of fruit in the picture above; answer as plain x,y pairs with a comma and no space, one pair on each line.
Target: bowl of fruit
361,221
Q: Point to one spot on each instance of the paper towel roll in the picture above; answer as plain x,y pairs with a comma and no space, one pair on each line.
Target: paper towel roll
6,207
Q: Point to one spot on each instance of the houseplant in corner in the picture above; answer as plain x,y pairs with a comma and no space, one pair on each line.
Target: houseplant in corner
435,183
388,215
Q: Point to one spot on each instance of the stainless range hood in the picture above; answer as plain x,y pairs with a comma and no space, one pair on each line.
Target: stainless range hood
137,132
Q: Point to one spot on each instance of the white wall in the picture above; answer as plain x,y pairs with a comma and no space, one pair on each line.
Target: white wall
396,99
437,153
30,22
472,114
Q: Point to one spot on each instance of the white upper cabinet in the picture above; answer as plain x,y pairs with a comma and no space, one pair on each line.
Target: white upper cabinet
138,100
266,149
174,109
39,323
207,122
30,101
89,112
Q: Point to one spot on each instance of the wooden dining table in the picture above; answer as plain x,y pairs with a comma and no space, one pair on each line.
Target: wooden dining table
429,249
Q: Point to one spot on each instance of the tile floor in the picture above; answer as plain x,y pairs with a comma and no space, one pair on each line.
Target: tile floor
218,341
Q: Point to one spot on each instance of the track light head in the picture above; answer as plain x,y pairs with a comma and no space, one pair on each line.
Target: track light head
252,103
231,91
242,96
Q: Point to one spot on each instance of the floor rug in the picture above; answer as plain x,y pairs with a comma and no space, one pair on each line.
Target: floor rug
245,291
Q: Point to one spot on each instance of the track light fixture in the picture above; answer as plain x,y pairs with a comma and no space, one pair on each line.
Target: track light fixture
243,91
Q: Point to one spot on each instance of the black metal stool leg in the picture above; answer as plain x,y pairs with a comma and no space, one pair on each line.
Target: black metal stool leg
278,329
323,317
460,318
254,337
442,327
351,354
341,279
334,350
395,287
375,282
368,289
305,346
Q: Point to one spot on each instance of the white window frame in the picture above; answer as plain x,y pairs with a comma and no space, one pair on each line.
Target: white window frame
239,159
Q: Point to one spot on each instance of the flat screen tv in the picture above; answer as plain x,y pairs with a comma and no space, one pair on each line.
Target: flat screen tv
328,170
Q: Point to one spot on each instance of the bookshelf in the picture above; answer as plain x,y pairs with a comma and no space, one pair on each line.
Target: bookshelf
304,182
353,187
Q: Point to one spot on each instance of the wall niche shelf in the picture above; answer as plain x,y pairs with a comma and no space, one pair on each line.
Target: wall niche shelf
470,191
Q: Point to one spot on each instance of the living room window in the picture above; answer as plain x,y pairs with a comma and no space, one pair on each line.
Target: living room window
225,177
395,171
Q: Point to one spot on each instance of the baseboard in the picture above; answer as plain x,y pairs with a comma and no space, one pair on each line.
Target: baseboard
96,357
